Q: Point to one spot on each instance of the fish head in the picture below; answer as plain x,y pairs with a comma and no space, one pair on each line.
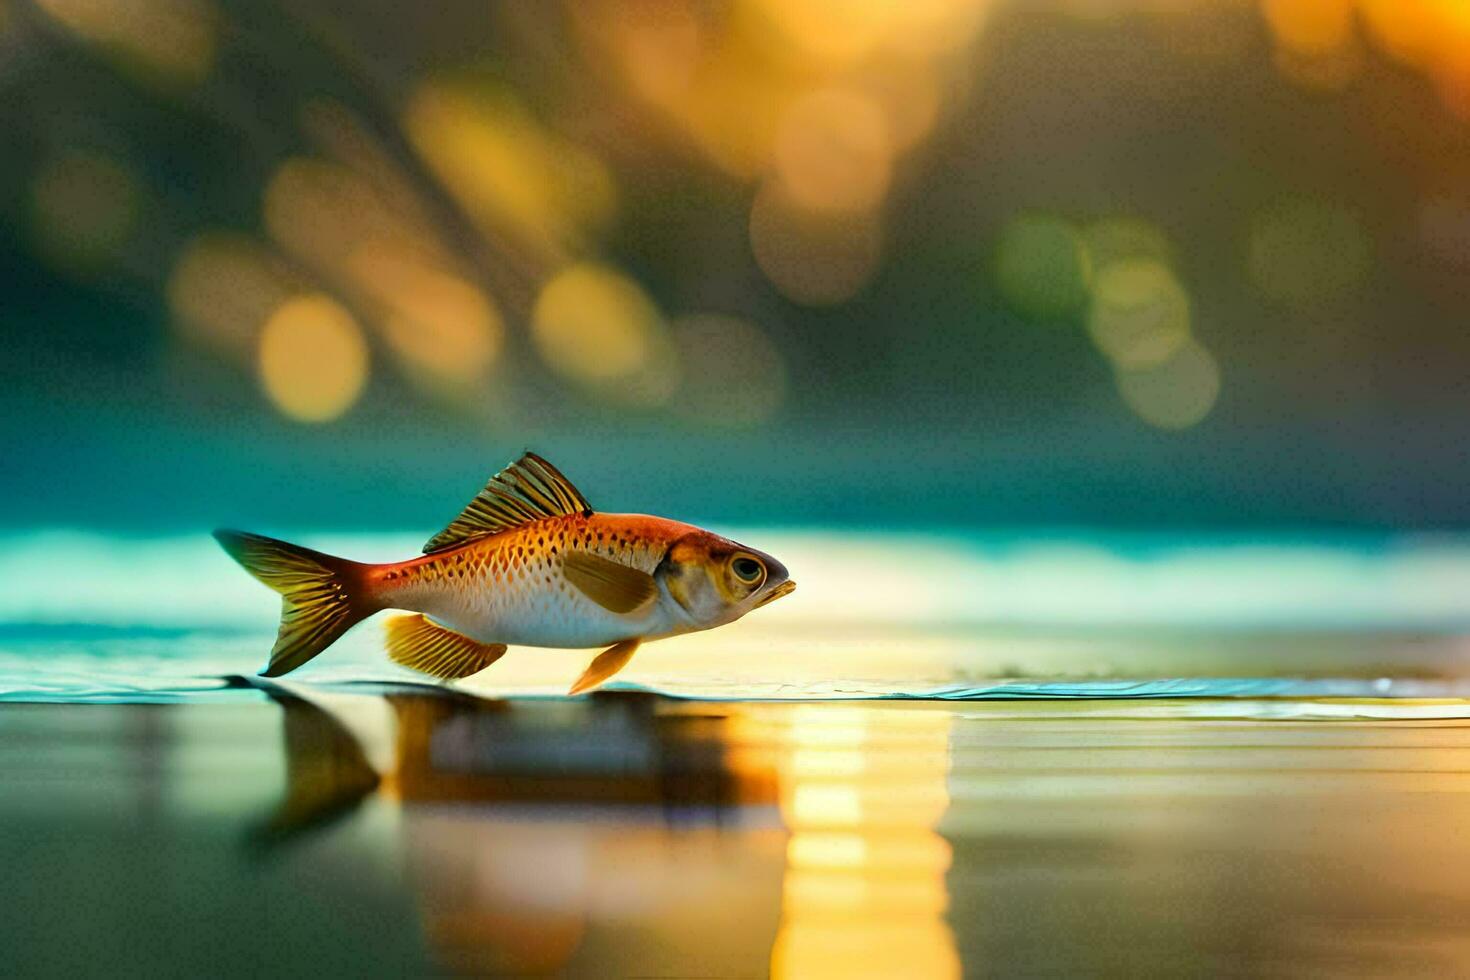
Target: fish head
716,580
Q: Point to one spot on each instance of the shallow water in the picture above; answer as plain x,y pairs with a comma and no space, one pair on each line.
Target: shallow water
629,835
100,618
944,756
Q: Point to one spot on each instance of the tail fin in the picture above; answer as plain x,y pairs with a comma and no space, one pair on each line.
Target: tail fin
321,596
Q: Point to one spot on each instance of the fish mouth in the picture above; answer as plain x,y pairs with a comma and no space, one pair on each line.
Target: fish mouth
785,588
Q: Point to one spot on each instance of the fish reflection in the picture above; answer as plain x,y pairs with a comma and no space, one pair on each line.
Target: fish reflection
616,750
620,752
539,836
327,773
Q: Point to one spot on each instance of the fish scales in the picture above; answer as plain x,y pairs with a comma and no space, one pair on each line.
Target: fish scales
527,562
511,588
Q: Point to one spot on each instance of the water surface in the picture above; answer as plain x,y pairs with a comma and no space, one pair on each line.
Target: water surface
628,835
96,617
946,755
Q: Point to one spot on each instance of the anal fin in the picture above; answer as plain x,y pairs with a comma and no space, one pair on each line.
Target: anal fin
606,664
419,644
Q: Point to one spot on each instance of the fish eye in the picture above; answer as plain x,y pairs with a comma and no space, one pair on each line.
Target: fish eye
748,570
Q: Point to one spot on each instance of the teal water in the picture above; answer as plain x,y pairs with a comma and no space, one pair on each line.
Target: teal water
383,832
944,756
89,617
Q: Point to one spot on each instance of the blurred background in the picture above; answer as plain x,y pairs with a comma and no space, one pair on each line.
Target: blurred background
1063,349
1171,263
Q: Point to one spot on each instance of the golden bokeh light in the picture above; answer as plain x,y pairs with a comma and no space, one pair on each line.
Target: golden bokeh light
1311,27
1176,393
907,90
738,96
841,32
814,103
658,45
938,28
1040,267
731,373
740,87
1139,314
84,208
595,326
834,151
813,257
1430,36
1404,31
1316,41
319,212
222,289
726,82
435,321
313,359
344,138
511,173
1308,254
833,30
169,41
379,253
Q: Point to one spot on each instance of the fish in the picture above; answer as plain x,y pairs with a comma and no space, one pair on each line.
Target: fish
527,563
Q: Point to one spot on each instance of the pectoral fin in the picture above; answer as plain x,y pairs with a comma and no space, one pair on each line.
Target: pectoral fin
612,585
608,662
419,644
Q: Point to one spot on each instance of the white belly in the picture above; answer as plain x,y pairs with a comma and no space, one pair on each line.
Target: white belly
553,618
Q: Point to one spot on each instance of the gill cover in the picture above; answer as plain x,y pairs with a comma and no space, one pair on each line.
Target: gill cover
715,580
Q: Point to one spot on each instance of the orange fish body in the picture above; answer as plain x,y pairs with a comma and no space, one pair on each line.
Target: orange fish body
528,563
512,588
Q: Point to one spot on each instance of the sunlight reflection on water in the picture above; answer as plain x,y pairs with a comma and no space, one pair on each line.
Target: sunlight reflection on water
626,835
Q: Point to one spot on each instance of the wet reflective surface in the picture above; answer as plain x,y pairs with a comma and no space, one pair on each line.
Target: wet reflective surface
628,835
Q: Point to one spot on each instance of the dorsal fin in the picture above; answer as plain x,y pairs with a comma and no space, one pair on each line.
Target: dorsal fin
527,490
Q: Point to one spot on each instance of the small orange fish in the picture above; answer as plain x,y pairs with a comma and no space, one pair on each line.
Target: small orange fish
528,562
